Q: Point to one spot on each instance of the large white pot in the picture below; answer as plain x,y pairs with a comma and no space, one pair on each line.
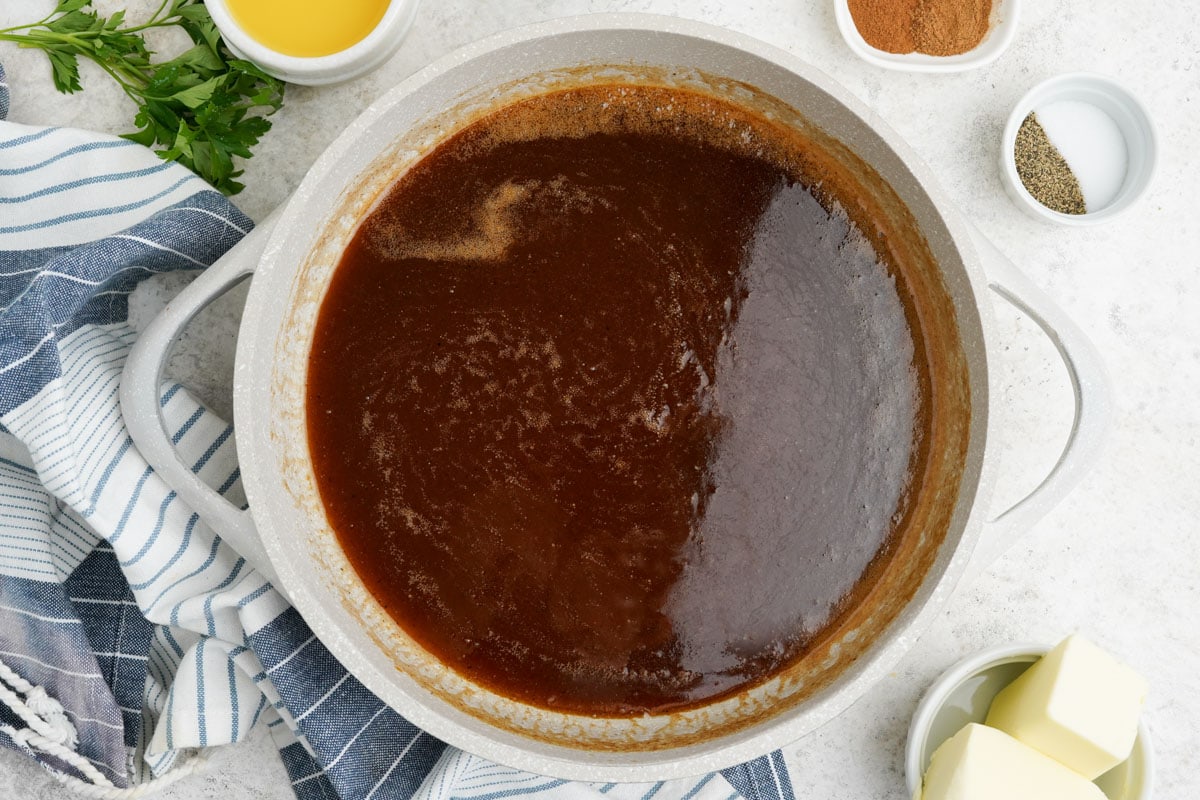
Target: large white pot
286,535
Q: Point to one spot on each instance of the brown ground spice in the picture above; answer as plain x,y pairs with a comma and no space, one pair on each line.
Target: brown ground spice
933,27
886,24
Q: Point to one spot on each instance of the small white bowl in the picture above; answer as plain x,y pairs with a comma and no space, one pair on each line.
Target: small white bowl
1130,116
964,693
1005,14
358,59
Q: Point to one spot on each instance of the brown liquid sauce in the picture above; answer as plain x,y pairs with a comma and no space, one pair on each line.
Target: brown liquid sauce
610,404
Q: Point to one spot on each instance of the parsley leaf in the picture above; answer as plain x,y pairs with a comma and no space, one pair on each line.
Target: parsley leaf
204,108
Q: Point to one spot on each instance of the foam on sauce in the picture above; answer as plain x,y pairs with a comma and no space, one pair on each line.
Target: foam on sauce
610,403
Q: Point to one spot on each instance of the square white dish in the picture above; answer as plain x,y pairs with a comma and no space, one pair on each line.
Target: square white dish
1003,28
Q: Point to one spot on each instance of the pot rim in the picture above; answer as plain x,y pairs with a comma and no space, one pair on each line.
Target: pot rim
255,356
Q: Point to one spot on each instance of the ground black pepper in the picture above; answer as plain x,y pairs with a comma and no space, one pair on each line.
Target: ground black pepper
1044,172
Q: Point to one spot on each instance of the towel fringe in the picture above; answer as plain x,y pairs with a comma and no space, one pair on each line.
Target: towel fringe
51,732
41,712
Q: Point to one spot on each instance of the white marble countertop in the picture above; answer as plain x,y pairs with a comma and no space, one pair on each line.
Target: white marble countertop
1119,559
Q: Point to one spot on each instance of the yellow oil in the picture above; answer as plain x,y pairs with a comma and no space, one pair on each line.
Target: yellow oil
307,27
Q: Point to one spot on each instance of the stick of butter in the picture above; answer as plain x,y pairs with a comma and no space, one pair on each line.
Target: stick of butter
982,763
1078,705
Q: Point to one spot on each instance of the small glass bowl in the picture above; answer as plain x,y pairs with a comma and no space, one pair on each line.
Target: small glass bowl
358,59
1130,116
1005,14
964,693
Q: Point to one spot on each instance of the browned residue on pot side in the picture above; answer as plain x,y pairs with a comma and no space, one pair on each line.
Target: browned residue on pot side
897,573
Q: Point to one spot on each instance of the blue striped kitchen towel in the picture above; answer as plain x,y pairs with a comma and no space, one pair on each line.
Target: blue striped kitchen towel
155,638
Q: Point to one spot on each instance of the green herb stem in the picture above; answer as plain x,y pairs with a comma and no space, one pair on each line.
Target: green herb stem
198,108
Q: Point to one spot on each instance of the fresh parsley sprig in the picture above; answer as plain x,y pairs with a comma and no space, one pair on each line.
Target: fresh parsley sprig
203,108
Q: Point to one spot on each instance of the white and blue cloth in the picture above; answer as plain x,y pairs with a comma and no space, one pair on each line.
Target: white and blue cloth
155,636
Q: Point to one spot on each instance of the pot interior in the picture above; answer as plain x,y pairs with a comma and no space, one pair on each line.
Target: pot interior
897,215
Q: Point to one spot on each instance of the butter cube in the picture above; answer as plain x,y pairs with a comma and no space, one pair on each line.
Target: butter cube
982,763
1077,704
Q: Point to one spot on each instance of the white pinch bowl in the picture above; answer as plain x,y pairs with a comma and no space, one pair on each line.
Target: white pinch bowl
356,60
1131,117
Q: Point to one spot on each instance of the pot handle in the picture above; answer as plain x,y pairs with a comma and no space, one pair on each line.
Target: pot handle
141,409
1093,405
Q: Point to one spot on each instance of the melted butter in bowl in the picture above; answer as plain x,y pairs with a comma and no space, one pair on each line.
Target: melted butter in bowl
611,405
312,42
307,28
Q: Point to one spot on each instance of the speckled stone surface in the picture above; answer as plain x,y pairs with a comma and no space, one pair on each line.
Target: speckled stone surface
1119,559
